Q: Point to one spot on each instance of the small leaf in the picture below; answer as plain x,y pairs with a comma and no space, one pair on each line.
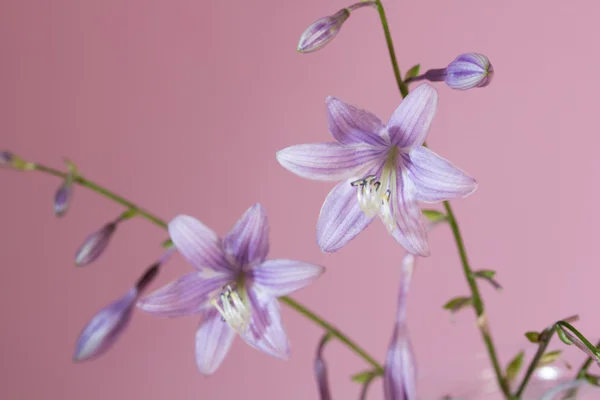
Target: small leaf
533,337
362,377
167,243
549,358
593,379
413,72
434,215
513,368
488,275
562,335
458,303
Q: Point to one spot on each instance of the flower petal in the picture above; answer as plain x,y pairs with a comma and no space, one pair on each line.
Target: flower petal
248,241
341,218
213,341
410,123
435,178
188,295
200,246
411,231
282,277
350,125
400,372
266,332
328,161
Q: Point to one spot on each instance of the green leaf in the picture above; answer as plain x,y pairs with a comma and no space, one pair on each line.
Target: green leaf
413,72
167,243
533,337
562,335
434,215
488,275
548,358
458,303
362,377
593,379
513,368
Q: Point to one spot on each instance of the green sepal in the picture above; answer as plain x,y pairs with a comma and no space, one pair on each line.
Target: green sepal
514,367
413,72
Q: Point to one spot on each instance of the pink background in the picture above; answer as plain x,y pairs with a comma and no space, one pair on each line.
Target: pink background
181,106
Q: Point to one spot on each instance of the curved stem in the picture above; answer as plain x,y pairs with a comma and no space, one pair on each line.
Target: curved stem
162,224
477,301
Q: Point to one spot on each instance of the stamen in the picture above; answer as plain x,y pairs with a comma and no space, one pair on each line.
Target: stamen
233,309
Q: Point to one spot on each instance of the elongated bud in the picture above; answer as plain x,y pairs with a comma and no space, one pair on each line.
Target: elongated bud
62,197
109,323
322,31
105,327
399,380
469,71
95,244
5,158
321,370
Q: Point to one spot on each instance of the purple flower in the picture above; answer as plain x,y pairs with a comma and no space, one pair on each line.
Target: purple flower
468,71
400,371
105,328
62,198
234,288
321,32
6,158
95,244
384,171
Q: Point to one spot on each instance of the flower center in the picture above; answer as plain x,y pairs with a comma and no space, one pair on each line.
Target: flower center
375,194
233,306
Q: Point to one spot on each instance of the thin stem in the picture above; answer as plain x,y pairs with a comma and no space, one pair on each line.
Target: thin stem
390,44
586,365
545,337
365,387
477,302
162,224
333,330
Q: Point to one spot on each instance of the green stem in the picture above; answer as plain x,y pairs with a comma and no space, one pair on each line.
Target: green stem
161,223
477,301
586,365
545,337
390,44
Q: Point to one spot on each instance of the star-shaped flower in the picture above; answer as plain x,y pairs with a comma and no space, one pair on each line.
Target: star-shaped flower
384,170
234,288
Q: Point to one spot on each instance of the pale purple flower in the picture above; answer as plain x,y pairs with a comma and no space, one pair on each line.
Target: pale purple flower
400,370
95,244
62,198
384,170
105,328
234,288
466,71
5,158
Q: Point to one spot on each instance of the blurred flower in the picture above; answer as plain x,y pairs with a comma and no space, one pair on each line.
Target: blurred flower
321,370
384,171
321,32
400,371
234,289
12,160
95,244
5,158
107,325
467,71
62,197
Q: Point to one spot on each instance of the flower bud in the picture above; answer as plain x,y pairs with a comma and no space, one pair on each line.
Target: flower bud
469,71
95,244
5,158
62,198
321,370
105,327
322,31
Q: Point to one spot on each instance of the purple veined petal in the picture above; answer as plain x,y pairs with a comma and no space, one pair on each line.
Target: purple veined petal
468,71
409,125
247,244
341,218
213,341
200,246
411,231
329,161
400,371
350,125
322,31
282,277
266,332
435,178
94,245
105,328
408,264
185,296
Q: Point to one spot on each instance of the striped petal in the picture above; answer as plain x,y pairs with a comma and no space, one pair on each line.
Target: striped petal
213,341
248,241
282,277
328,161
350,125
409,125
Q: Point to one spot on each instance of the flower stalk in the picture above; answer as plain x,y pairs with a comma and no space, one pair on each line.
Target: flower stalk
478,304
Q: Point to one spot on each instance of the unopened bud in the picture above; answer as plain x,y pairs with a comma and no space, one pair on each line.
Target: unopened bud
95,244
469,71
322,32
5,158
105,327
